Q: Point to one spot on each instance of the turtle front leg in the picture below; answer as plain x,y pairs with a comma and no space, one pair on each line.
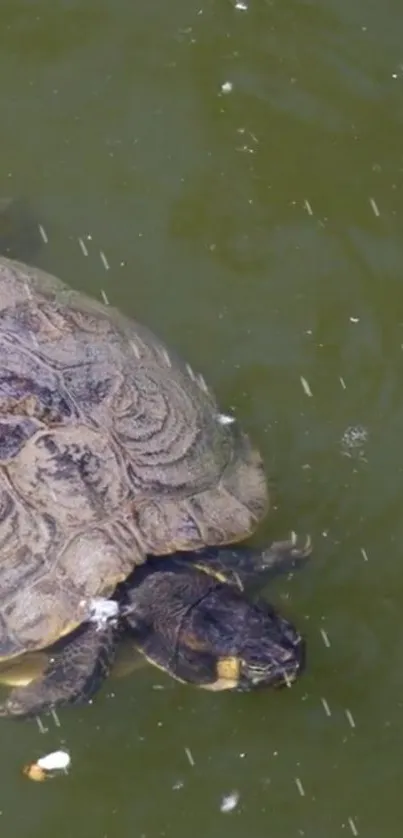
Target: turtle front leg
244,566
77,667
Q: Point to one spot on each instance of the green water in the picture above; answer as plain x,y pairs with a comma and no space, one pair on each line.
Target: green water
259,230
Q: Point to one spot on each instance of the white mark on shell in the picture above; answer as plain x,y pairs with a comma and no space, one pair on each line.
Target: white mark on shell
190,372
165,357
202,383
135,349
101,610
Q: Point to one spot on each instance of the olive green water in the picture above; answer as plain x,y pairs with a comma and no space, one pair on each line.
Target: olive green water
259,230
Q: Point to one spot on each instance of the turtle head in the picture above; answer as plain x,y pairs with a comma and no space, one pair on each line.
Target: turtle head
274,656
267,652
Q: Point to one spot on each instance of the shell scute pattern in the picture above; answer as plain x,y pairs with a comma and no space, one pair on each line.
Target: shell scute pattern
110,448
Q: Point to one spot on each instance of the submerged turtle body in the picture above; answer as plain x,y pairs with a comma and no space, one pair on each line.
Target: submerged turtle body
189,615
111,448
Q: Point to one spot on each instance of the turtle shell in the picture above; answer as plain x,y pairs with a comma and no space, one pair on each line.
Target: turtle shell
111,448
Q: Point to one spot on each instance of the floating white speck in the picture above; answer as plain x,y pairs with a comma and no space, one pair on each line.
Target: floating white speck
352,826
354,319
300,787
374,207
43,233
83,247
56,761
342,382
308,207
190,757
229,802
226,87
178,785
241,6
325,637
104,297
226,419
104,260
350,717
305,386
364,554
326,707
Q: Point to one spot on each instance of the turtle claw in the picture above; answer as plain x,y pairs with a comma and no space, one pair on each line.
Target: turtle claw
290,547
55,717
41,726
286,555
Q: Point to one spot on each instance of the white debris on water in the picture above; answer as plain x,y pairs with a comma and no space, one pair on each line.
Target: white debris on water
226,419
300,786
83,247
326,707
325,637
55,761
190,757
230,801
104,260
104,297
43,234
352,826
308,207
243,7
364,554
374,207
342,382
227,87
305,386
350,717
354,319
178,785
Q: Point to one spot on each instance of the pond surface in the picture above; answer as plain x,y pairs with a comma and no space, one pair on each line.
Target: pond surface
240,167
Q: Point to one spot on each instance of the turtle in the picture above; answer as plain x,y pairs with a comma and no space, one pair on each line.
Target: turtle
190,615
112,450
